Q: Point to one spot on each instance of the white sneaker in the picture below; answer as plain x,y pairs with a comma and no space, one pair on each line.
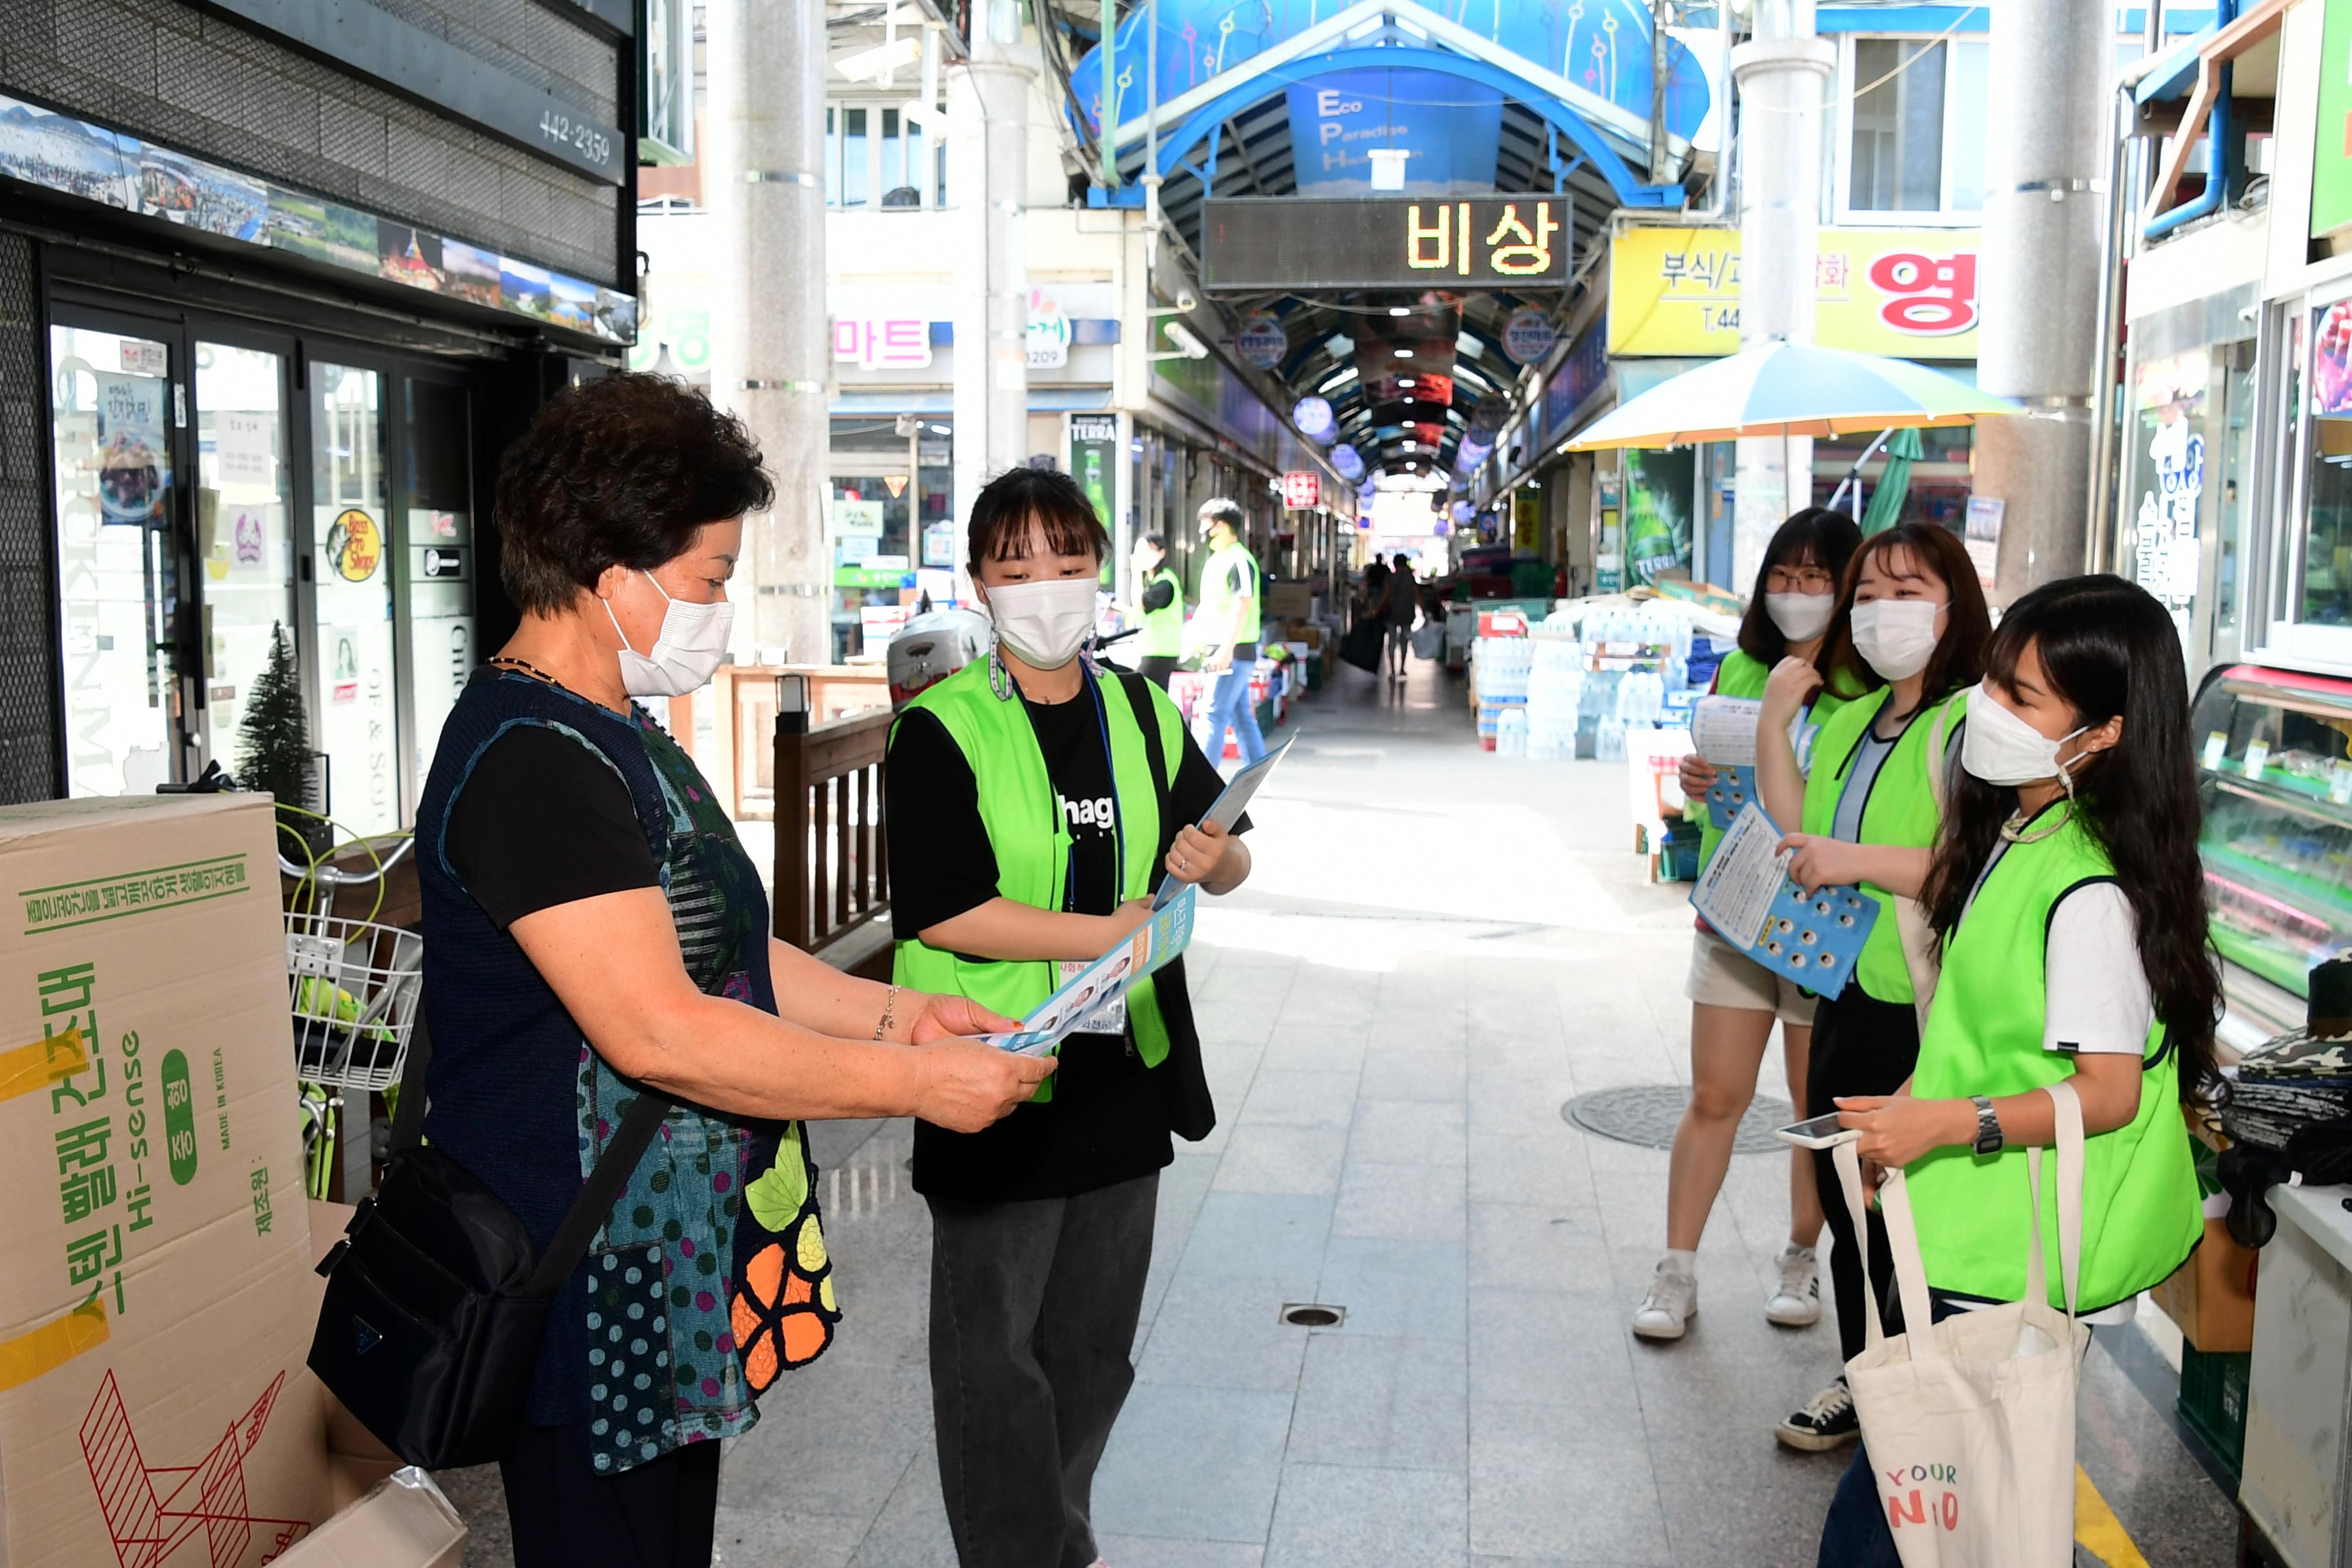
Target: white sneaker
1668,1310
1796,1300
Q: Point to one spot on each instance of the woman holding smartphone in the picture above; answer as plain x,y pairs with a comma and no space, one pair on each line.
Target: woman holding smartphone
1910,636
1734,999
2070,901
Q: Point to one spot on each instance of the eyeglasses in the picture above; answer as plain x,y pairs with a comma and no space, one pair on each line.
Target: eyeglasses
1798,580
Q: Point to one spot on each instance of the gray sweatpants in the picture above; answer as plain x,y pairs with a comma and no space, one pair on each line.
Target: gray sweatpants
1034,1307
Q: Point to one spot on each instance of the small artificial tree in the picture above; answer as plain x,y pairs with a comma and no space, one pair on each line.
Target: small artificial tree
274,744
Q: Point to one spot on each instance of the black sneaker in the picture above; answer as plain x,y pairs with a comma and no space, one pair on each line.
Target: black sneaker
1827,1421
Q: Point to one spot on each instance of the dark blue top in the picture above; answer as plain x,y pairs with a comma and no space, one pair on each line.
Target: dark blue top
711,1274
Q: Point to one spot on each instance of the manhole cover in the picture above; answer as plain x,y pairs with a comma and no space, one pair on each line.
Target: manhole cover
1646,1115
1313,1315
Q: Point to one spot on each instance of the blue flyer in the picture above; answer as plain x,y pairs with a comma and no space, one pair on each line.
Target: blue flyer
1745,895
1108,979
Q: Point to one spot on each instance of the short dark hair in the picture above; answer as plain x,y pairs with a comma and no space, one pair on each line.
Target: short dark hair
622,470
1958,658
1002,510
1156,542
1223,509
1815,536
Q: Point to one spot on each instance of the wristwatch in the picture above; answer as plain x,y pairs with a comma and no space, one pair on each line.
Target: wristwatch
1988,1136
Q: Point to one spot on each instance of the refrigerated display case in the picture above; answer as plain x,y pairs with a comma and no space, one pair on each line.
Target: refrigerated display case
2275,776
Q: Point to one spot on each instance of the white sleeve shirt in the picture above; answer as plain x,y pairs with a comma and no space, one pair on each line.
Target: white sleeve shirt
2098,1001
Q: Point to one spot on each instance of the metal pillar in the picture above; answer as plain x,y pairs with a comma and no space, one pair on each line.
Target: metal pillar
2046,167
771,344
987,181
1781,72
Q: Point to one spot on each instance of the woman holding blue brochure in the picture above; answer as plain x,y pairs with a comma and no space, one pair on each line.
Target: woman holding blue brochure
1037,801
1910,634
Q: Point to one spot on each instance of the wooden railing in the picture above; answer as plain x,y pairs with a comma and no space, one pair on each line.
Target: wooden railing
832,871
738,760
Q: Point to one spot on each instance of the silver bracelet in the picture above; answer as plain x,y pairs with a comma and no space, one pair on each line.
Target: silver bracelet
889,1010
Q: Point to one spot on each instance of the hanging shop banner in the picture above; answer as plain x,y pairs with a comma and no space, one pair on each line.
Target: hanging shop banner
1449,129
1094,449
1302,492
1387,242
78,158
1528,335
2331,167
1262,341
1049,333
1911,293
1313,417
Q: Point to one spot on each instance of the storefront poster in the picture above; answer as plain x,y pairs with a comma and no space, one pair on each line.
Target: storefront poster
2170,395
133,473
2331,171
1911,293
1094,448
2331,361
1660,492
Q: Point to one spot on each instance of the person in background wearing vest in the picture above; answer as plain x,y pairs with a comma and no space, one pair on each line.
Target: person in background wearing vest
1908,637
596,932
2070,903
1734,999
1225,631
1036,802
1161,597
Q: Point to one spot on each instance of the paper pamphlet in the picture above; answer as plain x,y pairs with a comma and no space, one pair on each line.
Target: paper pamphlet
1723,733
1729,794
1746,896
1069,1009
1227,808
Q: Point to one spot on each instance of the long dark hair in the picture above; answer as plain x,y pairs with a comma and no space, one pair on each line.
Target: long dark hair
2109,649
1815,536
1958,658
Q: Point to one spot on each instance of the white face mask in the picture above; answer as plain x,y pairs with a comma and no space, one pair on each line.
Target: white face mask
2000,748
1802,617
1896,637
1046,624
692,642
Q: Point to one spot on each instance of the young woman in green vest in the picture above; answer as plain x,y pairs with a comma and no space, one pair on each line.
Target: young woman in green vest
1160,648
2071,904
1910,638
1036,802
1734,999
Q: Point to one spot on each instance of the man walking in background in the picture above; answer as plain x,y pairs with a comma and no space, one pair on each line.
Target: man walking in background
1225,631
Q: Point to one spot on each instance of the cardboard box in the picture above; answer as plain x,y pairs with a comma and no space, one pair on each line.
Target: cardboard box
1290,601
2212,1296
154,1314
403,1523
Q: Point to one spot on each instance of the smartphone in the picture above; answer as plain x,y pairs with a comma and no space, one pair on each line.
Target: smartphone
1817,1132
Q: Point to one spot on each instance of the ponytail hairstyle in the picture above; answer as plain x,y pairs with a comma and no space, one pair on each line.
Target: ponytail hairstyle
1813,537
2107,650
1913,548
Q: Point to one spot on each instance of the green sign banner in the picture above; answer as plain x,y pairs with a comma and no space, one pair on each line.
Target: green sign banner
868,577
2331,162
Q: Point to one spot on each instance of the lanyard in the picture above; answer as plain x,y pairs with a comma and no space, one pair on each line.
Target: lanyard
1118,817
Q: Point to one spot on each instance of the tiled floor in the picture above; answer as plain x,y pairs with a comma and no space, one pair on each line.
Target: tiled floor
1437,950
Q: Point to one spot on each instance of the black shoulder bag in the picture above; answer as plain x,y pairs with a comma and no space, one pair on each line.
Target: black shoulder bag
437,1300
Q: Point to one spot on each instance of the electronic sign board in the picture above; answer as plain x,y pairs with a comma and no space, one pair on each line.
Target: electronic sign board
1505,241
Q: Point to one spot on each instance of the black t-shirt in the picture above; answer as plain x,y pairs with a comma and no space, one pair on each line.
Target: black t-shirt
542,821
1109,1118
1159,594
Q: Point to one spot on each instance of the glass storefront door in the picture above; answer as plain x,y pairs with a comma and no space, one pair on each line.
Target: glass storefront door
245,540
438,546
352,609
113,397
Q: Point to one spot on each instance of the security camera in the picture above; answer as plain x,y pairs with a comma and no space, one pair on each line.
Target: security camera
1186,301
1181,336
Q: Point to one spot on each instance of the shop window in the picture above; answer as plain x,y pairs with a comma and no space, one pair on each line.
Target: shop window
1915,127
358,726
245,540
438,541
877,156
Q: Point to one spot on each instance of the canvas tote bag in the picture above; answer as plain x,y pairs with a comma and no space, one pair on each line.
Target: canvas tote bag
1969,1424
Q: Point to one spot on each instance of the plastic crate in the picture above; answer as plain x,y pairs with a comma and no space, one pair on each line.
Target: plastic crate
2213,1400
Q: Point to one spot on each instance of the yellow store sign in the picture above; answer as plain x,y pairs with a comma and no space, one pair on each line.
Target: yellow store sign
1909,292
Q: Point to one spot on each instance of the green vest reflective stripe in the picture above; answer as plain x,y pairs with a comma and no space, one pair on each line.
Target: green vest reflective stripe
2140,1211
1217,593
1741,676
1032,842
1163,630
1900,810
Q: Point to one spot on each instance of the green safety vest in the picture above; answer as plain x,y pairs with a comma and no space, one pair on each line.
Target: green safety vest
1032,842
1217,595
1901,811
2140,1209
1741,676
1163,630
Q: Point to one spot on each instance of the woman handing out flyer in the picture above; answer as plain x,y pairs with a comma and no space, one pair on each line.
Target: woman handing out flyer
1035,802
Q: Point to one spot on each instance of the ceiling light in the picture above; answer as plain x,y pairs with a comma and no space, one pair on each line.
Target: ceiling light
1400,309
1404,381
1404,354
941,430
1347,374
1464,344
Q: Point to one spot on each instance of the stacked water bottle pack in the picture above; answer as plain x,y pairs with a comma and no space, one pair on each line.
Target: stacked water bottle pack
1555,690
1501,668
